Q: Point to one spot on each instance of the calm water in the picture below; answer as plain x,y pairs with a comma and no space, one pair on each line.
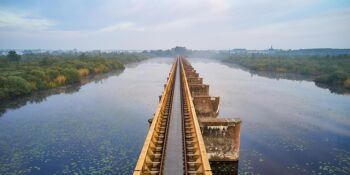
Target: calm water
289,127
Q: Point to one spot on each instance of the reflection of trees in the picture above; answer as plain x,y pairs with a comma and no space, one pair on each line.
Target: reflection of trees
290,76
334,89
40,96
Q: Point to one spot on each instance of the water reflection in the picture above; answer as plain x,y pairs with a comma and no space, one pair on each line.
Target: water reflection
40,96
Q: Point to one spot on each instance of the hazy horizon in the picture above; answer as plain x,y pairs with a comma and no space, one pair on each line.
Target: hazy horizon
198,25
88,50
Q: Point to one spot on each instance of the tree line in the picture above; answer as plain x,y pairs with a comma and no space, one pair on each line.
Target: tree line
329,71
24,74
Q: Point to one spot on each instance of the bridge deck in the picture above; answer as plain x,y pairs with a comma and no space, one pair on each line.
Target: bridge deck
174,143
173,163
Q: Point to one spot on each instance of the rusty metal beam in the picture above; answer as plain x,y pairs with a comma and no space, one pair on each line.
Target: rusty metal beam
198,134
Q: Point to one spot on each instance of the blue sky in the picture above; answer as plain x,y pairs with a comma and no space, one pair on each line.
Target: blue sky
196,24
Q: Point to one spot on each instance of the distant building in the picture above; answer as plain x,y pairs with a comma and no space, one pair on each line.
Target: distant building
179,49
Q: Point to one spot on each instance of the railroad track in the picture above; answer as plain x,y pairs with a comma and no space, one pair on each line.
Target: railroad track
174,144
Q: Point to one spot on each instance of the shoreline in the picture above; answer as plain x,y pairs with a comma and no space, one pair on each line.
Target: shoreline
289,76
40,95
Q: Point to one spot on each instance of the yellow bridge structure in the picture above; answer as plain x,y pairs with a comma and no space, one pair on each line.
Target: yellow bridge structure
185,133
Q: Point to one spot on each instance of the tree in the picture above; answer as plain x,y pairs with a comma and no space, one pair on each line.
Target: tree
13,56
3,89
72,75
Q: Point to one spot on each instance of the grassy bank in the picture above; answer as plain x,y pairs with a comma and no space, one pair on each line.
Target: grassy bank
21,75
327,71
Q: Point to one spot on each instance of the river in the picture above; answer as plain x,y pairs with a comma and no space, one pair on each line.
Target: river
289,126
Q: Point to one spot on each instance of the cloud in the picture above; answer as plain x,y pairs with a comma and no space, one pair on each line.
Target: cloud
330,29
163,16
17,20
197,24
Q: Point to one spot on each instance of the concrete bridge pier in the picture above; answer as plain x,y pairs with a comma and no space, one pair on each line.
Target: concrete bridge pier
221,138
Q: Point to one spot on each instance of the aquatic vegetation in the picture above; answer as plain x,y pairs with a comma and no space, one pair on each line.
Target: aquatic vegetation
246,163
68,146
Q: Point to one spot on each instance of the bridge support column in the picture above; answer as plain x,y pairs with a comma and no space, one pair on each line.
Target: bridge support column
221,137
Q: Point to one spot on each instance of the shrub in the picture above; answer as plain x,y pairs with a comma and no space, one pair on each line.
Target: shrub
37,79
72,75
337,78
52,74
17,86
60,80
347,83
281,69
4,94
101,68
39,74
83,72
322,79
3,89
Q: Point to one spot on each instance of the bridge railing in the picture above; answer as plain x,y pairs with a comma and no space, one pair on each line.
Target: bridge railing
203,160
148,147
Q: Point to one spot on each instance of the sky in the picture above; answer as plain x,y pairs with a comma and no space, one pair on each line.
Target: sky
195,24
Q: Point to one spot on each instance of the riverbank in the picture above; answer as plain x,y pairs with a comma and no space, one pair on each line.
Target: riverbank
331,72
40,72
41,95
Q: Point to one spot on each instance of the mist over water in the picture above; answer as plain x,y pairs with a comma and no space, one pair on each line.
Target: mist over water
288,126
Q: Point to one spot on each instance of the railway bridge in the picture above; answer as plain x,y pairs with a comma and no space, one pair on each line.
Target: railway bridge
185,133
